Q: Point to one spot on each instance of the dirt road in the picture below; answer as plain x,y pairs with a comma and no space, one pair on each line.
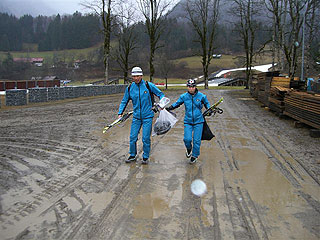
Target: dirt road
61,178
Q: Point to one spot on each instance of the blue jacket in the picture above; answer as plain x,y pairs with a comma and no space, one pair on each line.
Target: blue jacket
193,105
141,99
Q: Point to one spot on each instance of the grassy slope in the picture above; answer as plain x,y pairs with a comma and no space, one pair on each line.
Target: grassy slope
49,54
226,61
194,62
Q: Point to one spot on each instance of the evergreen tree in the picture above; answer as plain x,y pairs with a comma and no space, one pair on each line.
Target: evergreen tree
27,33
4,43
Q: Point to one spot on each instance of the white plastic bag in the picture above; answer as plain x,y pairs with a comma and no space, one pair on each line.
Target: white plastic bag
163,102
164,123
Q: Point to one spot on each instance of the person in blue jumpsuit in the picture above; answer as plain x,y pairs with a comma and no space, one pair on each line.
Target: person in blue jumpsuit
193,101
139,93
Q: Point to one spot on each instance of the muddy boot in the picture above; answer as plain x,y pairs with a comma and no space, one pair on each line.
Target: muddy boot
193,160
188,153
131,159
145,161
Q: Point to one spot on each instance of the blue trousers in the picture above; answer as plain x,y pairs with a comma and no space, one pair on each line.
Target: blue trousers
196,129
136,125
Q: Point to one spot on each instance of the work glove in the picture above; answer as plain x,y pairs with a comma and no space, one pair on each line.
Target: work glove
169,108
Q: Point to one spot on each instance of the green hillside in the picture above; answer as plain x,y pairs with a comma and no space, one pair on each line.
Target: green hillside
68,54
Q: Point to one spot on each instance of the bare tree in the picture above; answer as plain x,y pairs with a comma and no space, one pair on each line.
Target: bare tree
127,39
203,15
103,9
153,12
277,9
312,30
246,12
293,20
165,66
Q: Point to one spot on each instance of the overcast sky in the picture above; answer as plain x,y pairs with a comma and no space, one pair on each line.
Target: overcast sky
66,6
49,7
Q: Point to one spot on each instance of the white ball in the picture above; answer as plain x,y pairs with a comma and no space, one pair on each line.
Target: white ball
198,187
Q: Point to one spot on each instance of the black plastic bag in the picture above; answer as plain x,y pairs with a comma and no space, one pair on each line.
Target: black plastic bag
206,132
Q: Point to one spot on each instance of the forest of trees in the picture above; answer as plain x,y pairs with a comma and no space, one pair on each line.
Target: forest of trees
49,33
79,31
252,28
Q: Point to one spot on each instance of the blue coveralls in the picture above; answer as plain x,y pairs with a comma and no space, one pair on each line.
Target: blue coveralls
193,119
142,114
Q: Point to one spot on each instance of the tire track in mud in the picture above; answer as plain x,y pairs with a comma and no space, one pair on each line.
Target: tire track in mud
49,142
290,168
98,166
269,148
109,221
195,227
57,188
245,218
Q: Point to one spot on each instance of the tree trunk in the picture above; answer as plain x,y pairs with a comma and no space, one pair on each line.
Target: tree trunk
152,50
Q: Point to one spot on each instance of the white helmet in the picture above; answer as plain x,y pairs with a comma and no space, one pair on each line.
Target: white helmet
136,71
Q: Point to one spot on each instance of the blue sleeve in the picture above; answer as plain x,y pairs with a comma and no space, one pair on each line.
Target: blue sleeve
124,102
156,90
206,102
178,103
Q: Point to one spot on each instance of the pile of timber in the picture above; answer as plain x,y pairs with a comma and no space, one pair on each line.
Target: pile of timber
263,86
280,82
276,99
254,87
304,107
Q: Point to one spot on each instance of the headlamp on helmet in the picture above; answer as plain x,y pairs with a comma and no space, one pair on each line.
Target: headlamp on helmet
191,83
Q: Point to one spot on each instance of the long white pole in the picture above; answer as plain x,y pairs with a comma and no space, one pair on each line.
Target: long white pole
302,60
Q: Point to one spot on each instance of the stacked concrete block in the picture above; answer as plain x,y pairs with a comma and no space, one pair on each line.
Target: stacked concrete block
61,93
84,91
98,90
121,88
19,97
69,92
113,89
37,95
79,91
87,91
16,97
94,90
105,90
53,94
91,91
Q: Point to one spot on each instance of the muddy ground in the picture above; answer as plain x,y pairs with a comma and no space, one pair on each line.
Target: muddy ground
62,178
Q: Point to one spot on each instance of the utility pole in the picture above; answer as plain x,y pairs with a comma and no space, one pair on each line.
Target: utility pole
302,46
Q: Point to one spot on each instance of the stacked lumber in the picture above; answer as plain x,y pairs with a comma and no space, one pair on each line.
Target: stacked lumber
281,82
264,83
276,98
297,84
304,107
254,87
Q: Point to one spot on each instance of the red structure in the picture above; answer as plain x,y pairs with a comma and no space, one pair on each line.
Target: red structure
25,84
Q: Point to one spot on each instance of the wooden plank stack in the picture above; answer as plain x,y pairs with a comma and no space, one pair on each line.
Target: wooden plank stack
276,99
254,87
304,107
281,82
264,84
